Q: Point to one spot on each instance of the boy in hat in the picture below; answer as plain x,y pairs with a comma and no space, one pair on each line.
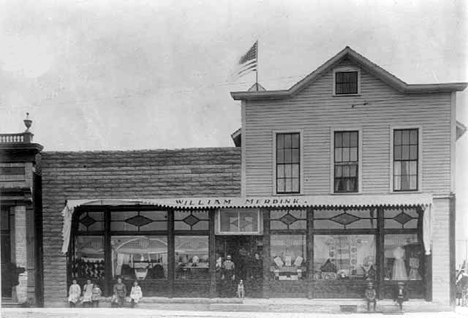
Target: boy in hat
371,296
401,294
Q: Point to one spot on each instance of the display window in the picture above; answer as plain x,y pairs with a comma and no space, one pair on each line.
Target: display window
139,257
191,257
288,257
88,258
344,257
404,257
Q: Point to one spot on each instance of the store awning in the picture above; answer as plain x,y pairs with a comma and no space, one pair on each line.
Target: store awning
331,201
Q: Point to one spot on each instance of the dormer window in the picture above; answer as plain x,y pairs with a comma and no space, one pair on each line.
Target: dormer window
346,81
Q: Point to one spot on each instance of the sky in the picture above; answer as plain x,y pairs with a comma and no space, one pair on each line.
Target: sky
121,74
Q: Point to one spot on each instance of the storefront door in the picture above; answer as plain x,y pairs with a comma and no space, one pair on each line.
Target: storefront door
6,253
246,254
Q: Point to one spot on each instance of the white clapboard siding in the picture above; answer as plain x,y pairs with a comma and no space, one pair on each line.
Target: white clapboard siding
314,111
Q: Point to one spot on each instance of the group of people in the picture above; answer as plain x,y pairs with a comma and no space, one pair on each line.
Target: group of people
400,295
92,294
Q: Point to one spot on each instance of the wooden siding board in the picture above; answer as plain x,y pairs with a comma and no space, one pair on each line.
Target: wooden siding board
315,110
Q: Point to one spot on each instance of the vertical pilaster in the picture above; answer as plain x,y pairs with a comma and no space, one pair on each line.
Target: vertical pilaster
380,252
310,253
20,291
212,254
170,253
266,252
107,255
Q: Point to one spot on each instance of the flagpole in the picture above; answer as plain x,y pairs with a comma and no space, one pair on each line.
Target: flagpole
256,72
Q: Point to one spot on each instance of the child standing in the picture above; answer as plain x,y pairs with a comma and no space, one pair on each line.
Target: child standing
96,295
371,296
401,294
87,293
135,294
74,293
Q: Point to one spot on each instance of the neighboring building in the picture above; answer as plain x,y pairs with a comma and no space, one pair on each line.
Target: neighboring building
346,177
21,220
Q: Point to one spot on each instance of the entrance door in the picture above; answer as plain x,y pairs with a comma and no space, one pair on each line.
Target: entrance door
6,252
246,253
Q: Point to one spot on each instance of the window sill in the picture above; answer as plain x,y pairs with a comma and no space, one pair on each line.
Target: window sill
346,95
346,193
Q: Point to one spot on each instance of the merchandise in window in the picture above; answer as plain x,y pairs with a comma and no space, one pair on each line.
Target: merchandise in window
88,259
403,257
139,257
191,257
288,257
344,257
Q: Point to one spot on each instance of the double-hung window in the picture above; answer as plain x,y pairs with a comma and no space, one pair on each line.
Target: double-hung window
346,83
288,163
405,159
346,161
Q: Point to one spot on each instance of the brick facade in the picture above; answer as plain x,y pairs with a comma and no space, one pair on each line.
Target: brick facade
125,175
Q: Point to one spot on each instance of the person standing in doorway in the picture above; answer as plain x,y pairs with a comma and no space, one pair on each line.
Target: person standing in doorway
120,292
228,277
135,294
87,293
96,297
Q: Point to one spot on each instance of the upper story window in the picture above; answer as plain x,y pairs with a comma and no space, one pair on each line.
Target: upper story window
288,163
346,82
405,159
346,161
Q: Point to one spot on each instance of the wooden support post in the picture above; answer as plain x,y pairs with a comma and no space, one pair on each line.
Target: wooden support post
212,254
107,255
170,253
266,252
310,253
380,250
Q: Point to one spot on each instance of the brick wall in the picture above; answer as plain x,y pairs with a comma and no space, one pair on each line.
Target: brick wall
125,175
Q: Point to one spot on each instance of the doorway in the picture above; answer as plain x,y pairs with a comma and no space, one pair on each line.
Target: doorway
6,253
246,254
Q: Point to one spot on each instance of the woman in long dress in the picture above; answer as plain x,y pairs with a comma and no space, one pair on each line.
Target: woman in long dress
399,269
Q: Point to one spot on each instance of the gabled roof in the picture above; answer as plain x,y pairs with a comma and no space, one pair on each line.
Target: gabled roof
363,62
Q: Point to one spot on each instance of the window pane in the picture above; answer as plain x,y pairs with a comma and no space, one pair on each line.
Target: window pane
278,225
397,153
346,139
345,154
229,221
413,152
287,171
403,257
327,224
405,152
338,153
288,257
287,141
287,156
397,137
405,182
414,136
405,137
413,183
338,171
280,171
295,155
353,154
280,156
413,167
350,256
280,141
353,170
338,140
139,257
234,221
354,139
397,183
295,171
404,168
346,171
288,185
295,185
295,140
191,257
280,185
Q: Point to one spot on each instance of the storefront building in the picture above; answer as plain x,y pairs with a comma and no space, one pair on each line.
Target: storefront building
345,178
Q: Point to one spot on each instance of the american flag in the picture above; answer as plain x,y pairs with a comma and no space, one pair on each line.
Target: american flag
247,63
